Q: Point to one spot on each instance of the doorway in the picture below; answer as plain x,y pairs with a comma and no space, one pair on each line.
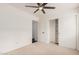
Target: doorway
54,31
34,31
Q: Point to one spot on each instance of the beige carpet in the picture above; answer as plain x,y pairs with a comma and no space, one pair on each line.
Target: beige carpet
43,49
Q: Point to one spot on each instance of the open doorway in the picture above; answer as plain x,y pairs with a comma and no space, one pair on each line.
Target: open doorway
54,31
34,31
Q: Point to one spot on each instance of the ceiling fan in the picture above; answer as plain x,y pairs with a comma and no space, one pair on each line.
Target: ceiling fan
41,6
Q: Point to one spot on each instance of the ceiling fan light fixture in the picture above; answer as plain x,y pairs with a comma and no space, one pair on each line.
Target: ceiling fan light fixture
40,8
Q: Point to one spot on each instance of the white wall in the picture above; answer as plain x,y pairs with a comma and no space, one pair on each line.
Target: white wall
67,30
43,27
77,31
15,28
52,30
77,21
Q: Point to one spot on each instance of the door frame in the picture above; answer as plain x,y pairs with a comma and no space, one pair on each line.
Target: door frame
36,24
56,31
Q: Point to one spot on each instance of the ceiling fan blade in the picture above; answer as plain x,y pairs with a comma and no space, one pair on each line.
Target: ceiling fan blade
36,10
32,6
44,4
49,7
43,11
38,4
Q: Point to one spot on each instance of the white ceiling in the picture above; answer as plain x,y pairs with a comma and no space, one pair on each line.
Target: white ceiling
59,7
